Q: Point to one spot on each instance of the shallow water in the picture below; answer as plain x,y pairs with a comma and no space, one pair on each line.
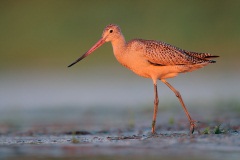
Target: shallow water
115,87
69,140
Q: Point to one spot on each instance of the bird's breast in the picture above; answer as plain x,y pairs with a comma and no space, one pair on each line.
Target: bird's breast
134,61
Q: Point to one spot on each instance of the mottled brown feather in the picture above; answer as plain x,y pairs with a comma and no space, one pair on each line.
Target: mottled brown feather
161,53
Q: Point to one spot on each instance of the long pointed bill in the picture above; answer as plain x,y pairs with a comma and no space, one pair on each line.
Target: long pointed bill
97,45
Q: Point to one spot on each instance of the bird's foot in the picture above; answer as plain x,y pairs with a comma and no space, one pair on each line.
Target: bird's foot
153,127
193,125
153,133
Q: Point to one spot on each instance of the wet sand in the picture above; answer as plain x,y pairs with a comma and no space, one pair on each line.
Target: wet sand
120,135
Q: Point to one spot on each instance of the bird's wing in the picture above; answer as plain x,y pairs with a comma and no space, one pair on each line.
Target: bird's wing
205,56
163,54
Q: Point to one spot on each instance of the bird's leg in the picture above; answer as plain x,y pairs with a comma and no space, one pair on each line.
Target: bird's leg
191,121
155,108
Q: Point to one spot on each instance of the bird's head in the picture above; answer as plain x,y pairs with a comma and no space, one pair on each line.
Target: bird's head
110,33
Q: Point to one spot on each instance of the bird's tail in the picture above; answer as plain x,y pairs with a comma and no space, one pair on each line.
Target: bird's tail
210,58
204,56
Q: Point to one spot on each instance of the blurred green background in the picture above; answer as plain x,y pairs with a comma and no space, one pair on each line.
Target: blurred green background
40,38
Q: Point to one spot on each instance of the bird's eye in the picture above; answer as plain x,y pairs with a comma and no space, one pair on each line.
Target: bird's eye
110,30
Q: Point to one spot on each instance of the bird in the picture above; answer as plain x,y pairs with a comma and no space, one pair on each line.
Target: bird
152,59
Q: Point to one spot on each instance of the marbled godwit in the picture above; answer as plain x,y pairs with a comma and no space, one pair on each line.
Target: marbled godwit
152,59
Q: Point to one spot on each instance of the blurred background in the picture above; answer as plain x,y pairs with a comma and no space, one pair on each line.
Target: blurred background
40,38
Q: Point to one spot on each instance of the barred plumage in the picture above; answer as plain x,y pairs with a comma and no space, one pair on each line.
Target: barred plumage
152,59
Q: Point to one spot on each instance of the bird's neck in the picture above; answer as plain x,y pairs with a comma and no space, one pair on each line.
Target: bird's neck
119,46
